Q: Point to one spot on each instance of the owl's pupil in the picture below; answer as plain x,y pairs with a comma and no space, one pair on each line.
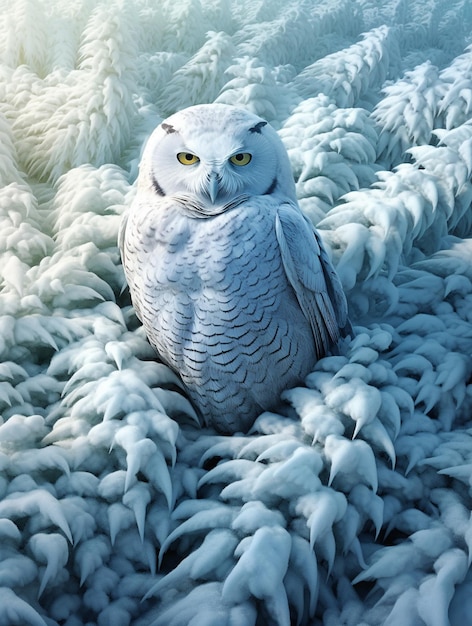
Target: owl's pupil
189,156
239,157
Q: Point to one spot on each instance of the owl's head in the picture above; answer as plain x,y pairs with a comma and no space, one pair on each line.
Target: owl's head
211,157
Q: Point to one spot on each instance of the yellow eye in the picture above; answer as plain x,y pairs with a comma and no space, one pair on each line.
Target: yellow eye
187,158
242,158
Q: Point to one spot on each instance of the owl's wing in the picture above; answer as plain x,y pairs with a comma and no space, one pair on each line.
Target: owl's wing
121,233
128,265
313,278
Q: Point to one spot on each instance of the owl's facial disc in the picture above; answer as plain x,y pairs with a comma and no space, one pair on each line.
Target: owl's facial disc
212,163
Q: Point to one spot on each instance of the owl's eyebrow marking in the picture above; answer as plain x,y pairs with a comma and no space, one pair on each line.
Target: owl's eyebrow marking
168,128
257,128
157,188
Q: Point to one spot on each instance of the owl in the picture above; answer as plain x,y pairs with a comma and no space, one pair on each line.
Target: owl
229,279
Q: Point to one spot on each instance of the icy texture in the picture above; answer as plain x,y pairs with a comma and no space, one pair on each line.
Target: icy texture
355,509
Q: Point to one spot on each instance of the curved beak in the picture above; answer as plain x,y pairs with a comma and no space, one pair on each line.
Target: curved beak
213,186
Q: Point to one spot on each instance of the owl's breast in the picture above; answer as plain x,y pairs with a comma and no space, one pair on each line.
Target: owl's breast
207,278
217,306
216,260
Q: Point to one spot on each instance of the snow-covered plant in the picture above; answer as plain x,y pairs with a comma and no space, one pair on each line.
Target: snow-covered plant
311,29
264,90
348,75
199,80
407,114
24,35
336,155
185,25
455,105
61,121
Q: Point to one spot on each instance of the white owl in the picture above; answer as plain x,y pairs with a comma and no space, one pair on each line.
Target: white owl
229,279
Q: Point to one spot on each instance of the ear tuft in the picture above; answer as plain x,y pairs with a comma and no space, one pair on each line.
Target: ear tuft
168,128
257,128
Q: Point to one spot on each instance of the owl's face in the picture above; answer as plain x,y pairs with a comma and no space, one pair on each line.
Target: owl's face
213,157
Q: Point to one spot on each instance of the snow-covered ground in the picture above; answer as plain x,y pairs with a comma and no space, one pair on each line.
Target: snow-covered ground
115,508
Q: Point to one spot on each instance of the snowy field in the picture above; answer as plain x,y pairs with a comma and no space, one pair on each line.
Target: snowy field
115,508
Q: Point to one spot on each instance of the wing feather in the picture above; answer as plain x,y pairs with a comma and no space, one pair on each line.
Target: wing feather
128,261
313,278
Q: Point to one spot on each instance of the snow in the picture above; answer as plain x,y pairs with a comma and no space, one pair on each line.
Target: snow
353,505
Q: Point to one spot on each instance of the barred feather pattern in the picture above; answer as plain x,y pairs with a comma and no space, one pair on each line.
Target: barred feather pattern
219,308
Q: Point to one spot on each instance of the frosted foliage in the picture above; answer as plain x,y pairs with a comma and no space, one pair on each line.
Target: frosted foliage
350,505
201,79
66,119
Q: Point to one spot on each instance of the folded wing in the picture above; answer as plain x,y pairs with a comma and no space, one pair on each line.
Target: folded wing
313,278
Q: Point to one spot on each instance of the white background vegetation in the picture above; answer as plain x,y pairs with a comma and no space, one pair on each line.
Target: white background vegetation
115,508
